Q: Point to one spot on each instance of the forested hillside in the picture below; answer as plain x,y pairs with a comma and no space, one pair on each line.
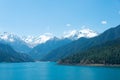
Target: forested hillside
107,53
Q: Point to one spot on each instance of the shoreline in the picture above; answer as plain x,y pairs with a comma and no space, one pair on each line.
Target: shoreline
94,65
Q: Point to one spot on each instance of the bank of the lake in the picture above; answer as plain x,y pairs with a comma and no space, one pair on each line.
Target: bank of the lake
97,65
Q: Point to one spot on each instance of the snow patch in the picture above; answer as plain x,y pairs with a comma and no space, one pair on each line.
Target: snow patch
76,34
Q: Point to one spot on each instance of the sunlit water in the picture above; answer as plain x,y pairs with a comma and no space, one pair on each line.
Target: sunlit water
52,71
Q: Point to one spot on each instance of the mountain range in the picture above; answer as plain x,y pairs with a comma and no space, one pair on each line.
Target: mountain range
37,47
82,44
15,42
43,49
51,48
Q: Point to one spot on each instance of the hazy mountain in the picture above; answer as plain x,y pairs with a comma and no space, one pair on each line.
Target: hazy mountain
23,43
82,44
7,54
107,54
33,41
16,42
41,50
26,43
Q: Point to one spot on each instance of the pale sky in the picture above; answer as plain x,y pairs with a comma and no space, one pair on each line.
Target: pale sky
35,17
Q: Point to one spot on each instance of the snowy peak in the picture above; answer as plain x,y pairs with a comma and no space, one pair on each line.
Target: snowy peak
43,38
75,34
9,37
33,41
30,41
88,33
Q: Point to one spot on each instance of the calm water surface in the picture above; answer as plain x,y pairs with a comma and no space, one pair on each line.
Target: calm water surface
52,71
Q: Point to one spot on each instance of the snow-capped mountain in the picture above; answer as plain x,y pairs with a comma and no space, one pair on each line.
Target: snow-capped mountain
33,41
15,41
76,34
30,41
42,50
9,37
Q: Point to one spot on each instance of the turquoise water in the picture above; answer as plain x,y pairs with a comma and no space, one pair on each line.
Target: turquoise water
52,71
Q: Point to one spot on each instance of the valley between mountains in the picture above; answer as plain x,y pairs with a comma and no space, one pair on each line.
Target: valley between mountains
83,47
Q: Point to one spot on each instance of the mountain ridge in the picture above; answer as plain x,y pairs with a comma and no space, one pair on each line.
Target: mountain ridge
8,54
107,53
25,44
81,45
41,50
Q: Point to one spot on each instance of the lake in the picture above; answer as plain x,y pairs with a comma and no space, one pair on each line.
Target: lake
52,71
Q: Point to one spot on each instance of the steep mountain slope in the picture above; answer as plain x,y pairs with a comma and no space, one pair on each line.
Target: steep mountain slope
41,50
82,44
15,41
107,54
7,54
26,43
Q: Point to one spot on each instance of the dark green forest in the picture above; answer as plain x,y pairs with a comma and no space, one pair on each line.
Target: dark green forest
107,53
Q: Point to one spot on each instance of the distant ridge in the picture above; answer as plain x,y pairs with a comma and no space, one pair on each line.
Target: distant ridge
82,44
25,44
7,54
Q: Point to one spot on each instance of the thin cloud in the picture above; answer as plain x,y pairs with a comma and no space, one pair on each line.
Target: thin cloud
119,12
68,25
103,22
